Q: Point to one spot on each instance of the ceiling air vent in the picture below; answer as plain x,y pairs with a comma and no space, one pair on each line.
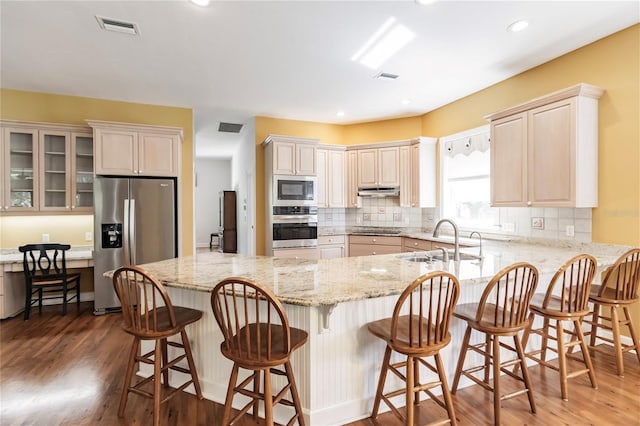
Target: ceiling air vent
387,75
229,127
118,25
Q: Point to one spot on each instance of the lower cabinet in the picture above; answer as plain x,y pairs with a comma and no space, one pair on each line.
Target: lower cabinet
332,246
415,244
12,293
365,245
311,253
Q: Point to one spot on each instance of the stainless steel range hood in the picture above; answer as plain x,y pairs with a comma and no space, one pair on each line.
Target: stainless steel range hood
382,191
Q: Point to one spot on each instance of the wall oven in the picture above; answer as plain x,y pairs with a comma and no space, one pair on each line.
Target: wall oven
295,226
294,190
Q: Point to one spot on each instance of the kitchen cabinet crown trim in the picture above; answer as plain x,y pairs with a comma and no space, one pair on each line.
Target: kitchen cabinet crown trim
37,125
581,89
136,127
290,139
404,142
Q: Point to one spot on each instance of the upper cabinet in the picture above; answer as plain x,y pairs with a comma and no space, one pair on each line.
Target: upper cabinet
379,167
46,167
352,179
332,174
545,152
136,150
291,156
418,173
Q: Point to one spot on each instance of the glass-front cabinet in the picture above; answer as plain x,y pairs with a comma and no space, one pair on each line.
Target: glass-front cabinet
46,167
20,149
82,172
54,176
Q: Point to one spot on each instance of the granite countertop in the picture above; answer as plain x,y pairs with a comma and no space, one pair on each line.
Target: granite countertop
75,253
330,281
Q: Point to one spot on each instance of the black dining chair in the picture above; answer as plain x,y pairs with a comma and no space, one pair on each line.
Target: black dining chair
46,276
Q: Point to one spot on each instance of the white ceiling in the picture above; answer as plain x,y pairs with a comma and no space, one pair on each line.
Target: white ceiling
237,59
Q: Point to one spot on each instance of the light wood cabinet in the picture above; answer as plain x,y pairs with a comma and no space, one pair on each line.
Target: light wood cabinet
136,150
298,253
46,168
364,245
331,168
415,244
332,246
418,185
292,156
379,167
544,152
352,179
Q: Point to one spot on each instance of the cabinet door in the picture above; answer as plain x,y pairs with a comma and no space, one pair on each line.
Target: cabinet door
336,181
82,172
157,154
331,252
389,166
284,157
352,179
21,169
55,171
551,154
305,160
367,168
116,152
508,161
406,182
416,181
323,178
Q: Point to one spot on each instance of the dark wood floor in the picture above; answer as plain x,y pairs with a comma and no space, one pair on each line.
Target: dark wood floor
68,370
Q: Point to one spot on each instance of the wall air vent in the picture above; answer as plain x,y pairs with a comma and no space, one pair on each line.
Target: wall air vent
118,25
229,127
387,75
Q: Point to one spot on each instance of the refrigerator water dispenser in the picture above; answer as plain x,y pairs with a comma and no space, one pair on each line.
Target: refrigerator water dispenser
111,235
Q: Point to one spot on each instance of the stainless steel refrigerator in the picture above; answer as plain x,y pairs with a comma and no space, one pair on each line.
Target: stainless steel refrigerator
134,223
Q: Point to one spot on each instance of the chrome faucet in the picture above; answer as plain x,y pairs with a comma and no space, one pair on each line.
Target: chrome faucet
445,254
456,245
479,236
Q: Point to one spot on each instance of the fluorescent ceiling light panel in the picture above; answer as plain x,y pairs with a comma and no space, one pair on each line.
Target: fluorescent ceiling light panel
517,26
386,42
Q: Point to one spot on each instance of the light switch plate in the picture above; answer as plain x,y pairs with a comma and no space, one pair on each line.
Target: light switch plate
45,238
569,231
87,236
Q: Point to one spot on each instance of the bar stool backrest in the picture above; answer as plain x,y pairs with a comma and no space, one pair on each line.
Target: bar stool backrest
142,297
623,276
506,297
429,302
574,281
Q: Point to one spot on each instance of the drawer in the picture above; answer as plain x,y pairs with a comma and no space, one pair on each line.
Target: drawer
331,239
370,250
301,253
416,244
376,240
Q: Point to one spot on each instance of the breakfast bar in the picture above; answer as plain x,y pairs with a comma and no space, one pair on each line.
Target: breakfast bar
333,300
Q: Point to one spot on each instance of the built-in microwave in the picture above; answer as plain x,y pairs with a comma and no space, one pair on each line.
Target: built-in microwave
294,190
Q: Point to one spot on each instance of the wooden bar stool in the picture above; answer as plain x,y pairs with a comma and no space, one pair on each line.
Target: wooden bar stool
257,337
419,328
619,289
148,314
567,299
501,312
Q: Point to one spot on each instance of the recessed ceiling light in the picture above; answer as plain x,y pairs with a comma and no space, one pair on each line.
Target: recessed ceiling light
517,26
425,2
340,113
202,3
406,101
384,43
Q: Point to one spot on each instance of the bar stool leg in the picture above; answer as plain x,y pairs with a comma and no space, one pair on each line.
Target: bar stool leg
632,332
594,325
446,394
294,393
228,402
383,376
585,354
615,325
157,369
268,399
495,352
562,361
135,345
463,354
409,389
525,372
192,365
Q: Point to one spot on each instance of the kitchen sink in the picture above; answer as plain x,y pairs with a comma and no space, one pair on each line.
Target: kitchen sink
432,256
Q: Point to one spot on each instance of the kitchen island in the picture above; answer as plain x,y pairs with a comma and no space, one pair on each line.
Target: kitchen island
333,300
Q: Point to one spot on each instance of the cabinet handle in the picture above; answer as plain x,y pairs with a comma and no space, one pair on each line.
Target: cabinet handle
528,203
374,240
374,252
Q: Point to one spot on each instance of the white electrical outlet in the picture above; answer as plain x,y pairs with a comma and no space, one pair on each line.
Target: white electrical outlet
569,231
87,236
45,238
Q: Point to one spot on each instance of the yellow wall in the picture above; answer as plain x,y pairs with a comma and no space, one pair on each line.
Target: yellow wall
383,130
69,229
50,108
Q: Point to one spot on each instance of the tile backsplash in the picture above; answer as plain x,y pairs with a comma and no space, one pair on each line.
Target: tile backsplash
539,223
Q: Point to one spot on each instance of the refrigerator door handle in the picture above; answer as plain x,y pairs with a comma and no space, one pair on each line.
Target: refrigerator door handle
132,230
125,232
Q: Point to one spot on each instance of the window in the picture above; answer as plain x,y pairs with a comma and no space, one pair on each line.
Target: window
466,185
